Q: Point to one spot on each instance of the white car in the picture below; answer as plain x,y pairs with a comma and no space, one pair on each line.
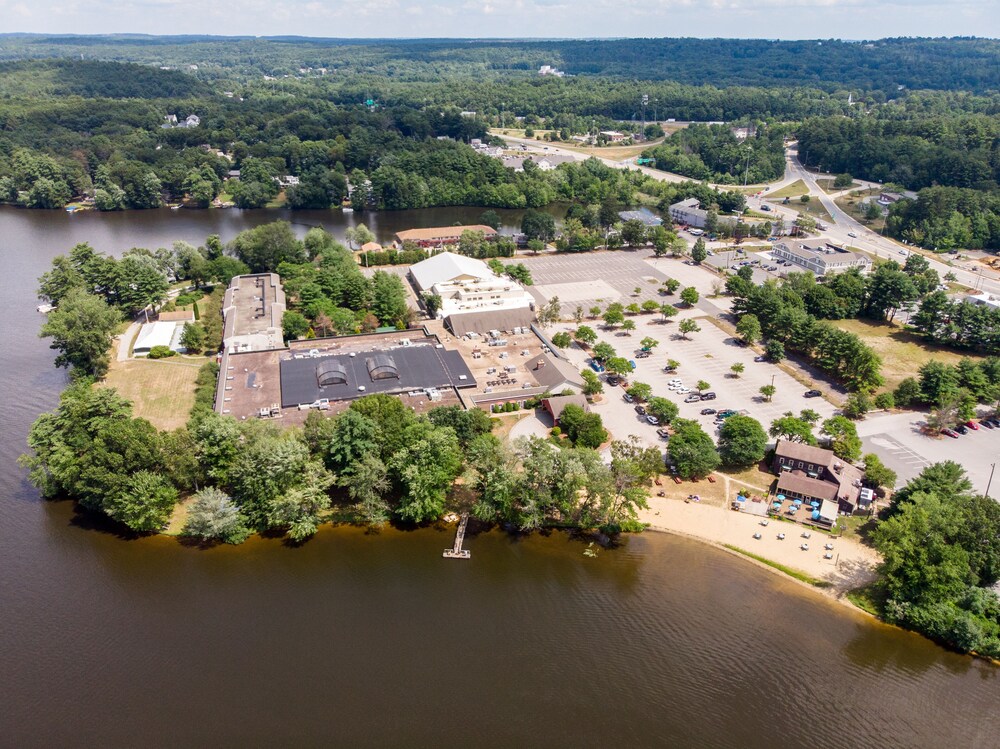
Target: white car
684,391
674,381
673,388
852,234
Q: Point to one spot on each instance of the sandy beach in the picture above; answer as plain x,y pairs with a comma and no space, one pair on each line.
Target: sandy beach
852,564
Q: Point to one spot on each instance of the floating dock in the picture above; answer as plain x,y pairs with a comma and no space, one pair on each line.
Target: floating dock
456,551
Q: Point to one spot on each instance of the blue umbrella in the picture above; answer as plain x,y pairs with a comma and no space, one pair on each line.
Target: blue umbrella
780,497
796,502
814,503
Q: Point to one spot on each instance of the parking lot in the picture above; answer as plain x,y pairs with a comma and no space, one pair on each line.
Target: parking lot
600,278
708,356
897,439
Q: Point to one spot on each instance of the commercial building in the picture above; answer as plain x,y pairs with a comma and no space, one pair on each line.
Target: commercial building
613,136
557,403
814,474
821,259
691,213
473,297
253,309
984,299
438,236
646,216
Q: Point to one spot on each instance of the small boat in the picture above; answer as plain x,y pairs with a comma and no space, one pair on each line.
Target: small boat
45,308
347,209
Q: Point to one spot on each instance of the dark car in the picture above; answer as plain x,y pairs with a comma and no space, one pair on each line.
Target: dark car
986,423
613,381
643,355
707,411
950,433
664,434
641,410
670,369
962,429
994,421
812,394
709,396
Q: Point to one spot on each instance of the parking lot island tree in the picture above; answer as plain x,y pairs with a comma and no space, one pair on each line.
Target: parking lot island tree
742,441
691,450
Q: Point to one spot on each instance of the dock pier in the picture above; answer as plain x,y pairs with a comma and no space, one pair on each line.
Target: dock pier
456,551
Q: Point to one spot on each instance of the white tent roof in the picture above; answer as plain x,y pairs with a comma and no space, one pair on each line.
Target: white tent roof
154,334
445,266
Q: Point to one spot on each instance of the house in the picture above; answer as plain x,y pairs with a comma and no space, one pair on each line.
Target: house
815,474
888,198
181,315
192,120
545,163
742,133
371,247
170,120
557,403
646,216
473,297
438,236
287,181
549,70
821,259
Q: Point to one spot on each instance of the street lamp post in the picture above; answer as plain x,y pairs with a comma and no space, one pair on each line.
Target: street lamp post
992,468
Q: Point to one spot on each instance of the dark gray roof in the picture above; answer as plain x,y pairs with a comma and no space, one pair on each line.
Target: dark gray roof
487,320
643,214
419,367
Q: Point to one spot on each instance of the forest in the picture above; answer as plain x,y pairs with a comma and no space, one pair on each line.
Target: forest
714,153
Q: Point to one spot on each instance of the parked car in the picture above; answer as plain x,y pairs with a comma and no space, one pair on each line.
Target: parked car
596,366
652,419
812,394
707,411
962,429
628,398
643,355
663,433
950,433
972,425
994,421
760,358
641,410
613,381
631,364
669,369
693,398
683,391
986,423
709,396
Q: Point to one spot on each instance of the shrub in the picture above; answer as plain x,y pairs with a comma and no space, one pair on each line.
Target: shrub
556,431
885,401
161,352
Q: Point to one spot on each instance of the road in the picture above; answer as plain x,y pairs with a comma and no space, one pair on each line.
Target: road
872,243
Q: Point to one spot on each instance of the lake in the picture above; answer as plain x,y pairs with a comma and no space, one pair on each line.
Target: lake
373,640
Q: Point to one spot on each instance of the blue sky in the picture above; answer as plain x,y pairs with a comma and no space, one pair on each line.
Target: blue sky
784,19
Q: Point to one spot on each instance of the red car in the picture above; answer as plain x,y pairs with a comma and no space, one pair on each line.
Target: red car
972,425
950,433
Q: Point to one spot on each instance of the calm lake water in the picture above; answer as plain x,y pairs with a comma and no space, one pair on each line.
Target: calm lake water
374,640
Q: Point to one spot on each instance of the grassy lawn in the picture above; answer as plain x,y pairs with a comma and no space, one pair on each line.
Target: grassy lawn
902,353
867,598
794,190
755,476
813,208
826,185
851,204
160,390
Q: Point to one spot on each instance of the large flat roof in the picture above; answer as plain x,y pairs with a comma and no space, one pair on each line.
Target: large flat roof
436,233
419,367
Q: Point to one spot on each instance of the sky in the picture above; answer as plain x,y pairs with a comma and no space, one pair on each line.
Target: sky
770,19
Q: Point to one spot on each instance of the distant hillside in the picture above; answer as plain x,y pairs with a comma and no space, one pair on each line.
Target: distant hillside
884,65
95,80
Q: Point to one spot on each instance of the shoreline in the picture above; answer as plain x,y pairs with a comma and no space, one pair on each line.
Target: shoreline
725,529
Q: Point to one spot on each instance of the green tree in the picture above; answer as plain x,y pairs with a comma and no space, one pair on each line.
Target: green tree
265,247
703,385
691,450
690,296
466,423
81,329
664,409
603,351
59,281
668,310
193,338
699,251
424,471
614,315
294,325
618,365
742,441
844,439
592,384
774,350
628,326
213,515
538,225
144,503
584,429
585,335
843,181
368,484
792,429
562,339
648,344
877,475
737,369
641,391
748,329
688,326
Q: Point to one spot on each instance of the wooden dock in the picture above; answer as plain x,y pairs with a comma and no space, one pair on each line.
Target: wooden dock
457,552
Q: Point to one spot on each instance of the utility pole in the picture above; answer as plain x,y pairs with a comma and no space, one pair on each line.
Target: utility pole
747,170
992,468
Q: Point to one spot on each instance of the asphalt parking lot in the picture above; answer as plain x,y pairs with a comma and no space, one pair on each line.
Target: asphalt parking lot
707,356
898,440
